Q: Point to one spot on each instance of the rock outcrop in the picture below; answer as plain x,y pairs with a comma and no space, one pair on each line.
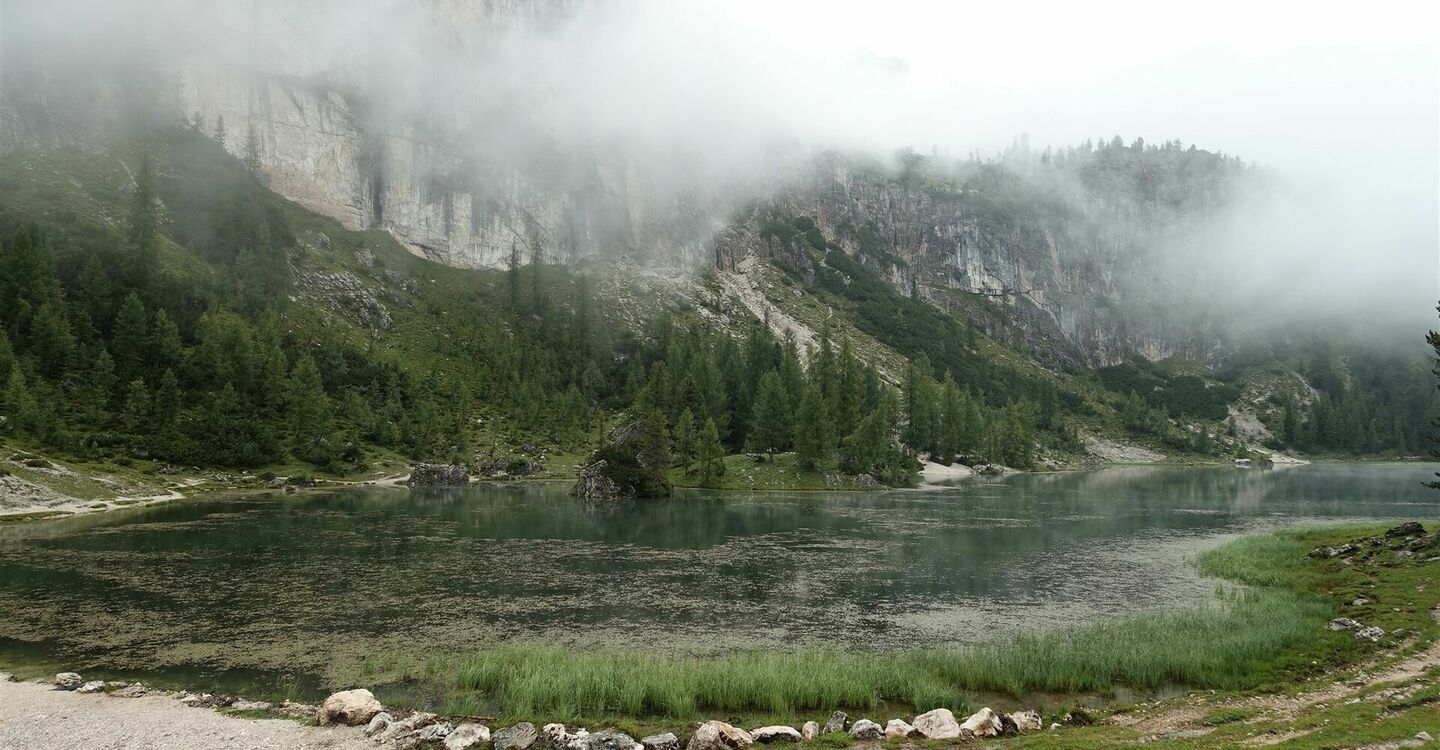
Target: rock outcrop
439,475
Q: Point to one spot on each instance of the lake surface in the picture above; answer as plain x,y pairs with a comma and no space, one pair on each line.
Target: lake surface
259,585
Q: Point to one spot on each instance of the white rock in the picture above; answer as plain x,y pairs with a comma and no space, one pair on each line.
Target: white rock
466,735
984,723
1371,633
94,686
866,729
434,732
1423,736
1027,721
1054,726
809,730
405,726
379,723
899,728
68,681
666,741
717,735
766,735
349,707
244,705
939,724
838,723
1343,623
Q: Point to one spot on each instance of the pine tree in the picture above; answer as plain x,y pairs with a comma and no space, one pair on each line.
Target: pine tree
512,276
7,356
306,403
770,422
1433,339
51,341
137,407
167,401
654,450
814,433
711,455
165,344
20,405
220,128
128,342
99,384
685,439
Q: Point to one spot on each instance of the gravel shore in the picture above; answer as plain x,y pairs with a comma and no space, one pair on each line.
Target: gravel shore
38,717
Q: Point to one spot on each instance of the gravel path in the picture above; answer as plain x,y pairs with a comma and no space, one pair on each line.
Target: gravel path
38,717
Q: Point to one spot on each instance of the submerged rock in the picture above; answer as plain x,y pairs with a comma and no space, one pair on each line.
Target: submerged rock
467,735
349,707
666,741
518,737
984,723
901,728
939,724
778,733
866,729
68,681
717,735
439,475
838,723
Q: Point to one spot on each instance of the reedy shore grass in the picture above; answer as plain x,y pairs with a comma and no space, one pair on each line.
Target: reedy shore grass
1243,639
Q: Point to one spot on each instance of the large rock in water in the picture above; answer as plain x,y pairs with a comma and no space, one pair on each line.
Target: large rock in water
984,723
717,735
595,484
439,475
349,707
519,737
939,724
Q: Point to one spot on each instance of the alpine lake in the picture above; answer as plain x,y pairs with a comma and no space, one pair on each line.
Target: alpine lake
245,593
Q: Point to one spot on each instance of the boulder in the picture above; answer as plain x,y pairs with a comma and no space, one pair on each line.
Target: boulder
405,726
1371,633
809,730
767,735
1409,528
349,707
1028,721
94,686
558,736
939,724
1078,717
378,723
439,475
518,737
984,723
604,741
68,681
666,741
594,484
838,723
717,735
900,728
467,735
866,729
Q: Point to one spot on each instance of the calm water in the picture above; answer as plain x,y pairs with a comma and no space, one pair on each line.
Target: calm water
266,584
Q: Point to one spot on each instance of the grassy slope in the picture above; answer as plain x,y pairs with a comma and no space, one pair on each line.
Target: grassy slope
1263,638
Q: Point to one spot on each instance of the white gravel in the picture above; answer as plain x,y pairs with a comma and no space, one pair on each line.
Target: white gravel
38,717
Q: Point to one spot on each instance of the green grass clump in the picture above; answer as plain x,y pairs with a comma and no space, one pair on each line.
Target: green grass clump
1231,715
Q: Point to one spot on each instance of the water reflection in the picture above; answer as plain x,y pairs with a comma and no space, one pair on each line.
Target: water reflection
273,582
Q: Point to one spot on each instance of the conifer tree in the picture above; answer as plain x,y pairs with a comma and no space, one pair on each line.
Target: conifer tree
306,403
137,407
711,455
51,342
814,435
20,405
129,339
685,439
144,225
770,423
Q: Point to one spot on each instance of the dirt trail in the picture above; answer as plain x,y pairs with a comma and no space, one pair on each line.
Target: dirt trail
38,717
1187,719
